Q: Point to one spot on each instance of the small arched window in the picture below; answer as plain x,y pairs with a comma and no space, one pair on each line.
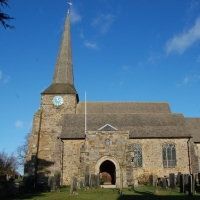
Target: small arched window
169,155
137,158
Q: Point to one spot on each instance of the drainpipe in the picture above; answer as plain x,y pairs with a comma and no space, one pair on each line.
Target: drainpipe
189,155
62,160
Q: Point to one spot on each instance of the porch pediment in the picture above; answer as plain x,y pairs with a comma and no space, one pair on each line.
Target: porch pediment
107,127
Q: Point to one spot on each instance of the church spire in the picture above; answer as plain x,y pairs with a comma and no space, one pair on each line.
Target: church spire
63,70
63,78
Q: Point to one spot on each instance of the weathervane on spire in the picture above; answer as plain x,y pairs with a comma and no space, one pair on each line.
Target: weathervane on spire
69,4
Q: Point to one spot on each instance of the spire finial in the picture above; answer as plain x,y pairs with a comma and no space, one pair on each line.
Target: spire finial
69,4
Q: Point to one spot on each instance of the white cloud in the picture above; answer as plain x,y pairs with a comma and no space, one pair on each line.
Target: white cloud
6,79
125,68
74,16
81,34
193,5
103,22
19,124
186,80
184,40
91,45
189,80
154,58
3,78
198,59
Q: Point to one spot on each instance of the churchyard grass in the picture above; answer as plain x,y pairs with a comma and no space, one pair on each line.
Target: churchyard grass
142,192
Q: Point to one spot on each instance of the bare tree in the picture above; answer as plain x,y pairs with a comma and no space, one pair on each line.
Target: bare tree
8,163
22,150
3,16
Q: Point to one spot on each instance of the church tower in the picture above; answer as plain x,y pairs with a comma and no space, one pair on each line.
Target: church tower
44,151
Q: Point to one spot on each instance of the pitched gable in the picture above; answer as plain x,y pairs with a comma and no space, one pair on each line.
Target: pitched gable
107,127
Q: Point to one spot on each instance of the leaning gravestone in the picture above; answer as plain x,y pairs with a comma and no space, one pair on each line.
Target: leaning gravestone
172,180
73,186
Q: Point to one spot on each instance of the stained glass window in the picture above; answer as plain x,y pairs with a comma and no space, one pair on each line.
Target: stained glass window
137,159
169,155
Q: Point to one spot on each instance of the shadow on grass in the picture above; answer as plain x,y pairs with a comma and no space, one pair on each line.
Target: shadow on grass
149,195
142,192
25,196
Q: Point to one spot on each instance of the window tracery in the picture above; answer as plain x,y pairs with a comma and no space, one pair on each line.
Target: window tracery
169,155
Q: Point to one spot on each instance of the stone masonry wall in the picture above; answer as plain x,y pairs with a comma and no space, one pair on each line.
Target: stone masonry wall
81,156
86,156
71,160
152,157
29,168
49,147
198,153
194,157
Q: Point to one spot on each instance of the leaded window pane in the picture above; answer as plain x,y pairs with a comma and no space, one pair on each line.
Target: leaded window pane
137,149
169,155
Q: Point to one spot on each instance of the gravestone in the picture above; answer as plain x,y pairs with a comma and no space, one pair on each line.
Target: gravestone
135,183
57,180
29,183
178,178
190,185
98,180
87,179
172,180
199,178
93,181
193,183
164,183
155,187
81,183
182,183
73,186
152,179
186,179
51,183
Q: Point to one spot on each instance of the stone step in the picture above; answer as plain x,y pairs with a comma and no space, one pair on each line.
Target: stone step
108,186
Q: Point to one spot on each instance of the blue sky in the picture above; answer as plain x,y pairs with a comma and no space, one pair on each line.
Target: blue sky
124,50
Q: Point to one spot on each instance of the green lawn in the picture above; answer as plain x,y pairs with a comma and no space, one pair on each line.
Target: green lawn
142,192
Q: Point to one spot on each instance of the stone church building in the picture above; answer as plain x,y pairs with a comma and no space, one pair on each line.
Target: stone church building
121,141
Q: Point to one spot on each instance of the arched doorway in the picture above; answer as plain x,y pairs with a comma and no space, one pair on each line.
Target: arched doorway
108,172
115,162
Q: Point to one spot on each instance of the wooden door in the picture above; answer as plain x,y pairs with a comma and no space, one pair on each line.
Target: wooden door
107,177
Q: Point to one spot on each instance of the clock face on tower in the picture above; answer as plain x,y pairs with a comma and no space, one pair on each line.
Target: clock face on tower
57,100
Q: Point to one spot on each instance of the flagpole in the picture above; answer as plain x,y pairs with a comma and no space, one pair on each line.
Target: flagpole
85,115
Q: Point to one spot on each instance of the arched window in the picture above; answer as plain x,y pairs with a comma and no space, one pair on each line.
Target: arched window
169,155
137,158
